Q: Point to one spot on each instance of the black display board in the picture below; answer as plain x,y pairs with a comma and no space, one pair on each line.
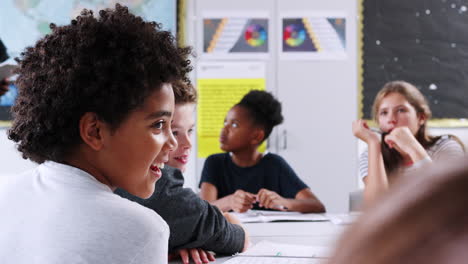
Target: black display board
424,42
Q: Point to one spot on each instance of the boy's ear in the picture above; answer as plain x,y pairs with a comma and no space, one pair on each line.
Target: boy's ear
91,130
258,136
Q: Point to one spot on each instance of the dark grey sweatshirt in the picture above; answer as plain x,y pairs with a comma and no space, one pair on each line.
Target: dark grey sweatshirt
193,222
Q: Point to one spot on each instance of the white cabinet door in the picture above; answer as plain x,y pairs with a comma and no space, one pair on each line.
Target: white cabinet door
319,100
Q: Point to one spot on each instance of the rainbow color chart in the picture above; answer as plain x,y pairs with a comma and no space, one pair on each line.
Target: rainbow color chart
235,36
255,35
294,35
322,36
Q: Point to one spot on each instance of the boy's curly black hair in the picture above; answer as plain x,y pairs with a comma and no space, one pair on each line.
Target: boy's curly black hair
107,65
264,109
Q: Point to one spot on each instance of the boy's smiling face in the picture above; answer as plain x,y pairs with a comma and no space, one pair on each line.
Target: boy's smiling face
182,128
132,155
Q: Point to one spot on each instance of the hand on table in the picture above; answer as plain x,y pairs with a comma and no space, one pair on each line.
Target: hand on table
197,255
241,201
271,200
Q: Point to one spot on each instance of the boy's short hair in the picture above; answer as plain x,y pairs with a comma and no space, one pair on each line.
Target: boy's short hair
107,65
184,92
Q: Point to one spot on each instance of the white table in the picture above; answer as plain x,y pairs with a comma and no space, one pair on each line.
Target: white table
301,233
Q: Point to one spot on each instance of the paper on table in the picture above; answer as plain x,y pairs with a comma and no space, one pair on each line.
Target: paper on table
259,216
343,219
269,260
271,249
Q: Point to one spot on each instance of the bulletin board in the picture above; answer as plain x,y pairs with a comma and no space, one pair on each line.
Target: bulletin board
221,85
423,42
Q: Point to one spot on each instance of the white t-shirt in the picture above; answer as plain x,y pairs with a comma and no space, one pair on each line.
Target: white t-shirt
60,214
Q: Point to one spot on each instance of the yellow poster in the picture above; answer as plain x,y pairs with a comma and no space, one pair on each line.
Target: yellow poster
216,97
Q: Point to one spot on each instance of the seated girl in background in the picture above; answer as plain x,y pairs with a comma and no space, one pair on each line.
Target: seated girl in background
401,112
243,176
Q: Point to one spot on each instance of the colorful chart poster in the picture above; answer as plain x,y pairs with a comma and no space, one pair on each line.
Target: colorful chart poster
220,86
235,36
320,36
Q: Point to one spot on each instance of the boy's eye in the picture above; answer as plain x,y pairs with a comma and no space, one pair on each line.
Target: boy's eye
383,113
235,125
175,133
158,124
190,131
402,110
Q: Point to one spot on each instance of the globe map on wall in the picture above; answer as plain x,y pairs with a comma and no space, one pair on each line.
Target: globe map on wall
23,22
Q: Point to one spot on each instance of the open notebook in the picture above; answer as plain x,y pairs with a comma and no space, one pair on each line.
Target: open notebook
259,216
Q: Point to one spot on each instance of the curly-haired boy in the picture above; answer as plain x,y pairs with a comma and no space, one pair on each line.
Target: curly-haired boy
94,110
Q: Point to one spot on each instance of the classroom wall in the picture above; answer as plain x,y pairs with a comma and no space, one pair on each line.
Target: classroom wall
328,156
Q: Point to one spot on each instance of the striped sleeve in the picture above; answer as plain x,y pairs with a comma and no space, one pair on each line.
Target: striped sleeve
446,148
363,164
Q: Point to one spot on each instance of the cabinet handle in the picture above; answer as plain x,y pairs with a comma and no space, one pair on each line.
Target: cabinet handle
285,139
